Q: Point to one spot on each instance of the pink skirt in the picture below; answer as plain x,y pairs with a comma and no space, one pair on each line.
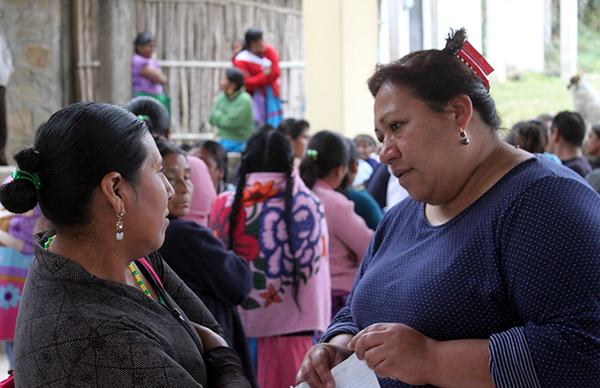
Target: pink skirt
279,359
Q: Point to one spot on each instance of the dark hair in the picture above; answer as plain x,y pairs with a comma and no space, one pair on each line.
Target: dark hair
366,138
332,152
570,126
293,127
72,153
437,76
158,121
596,129
252,35
165,147
529,135
268,150
217,151
236,76
353,156
142,39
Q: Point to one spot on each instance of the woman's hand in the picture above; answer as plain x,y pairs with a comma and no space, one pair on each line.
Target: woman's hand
318,361
209,338
396,350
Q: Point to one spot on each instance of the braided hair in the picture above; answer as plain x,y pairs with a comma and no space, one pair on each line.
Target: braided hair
268,151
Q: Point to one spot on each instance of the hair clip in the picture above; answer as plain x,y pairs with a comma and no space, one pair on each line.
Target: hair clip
143,117
476,62
313,154
32,177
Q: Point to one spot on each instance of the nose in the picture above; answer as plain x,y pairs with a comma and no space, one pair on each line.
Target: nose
170,190
388,151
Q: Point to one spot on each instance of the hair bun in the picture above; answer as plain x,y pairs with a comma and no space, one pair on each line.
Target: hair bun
20,195
455,41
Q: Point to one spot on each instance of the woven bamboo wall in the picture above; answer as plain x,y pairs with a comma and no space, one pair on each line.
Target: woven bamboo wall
193,39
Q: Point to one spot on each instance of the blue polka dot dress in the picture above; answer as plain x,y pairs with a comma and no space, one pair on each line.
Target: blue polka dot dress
520,266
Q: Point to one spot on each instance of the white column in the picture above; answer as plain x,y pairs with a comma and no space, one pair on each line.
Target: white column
568,38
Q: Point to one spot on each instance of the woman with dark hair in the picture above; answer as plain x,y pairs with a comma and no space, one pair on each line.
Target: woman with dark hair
231,112
215,157
260,64
592,146
156,118
219,277
277,224
488,274
100,307
323,169
298,133
146,77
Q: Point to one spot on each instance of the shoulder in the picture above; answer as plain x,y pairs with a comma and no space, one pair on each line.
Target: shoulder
137,59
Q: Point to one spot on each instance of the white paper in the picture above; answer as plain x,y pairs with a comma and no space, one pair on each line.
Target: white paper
352,373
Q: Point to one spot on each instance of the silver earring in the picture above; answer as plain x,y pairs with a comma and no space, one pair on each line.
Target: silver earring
120,227
465,137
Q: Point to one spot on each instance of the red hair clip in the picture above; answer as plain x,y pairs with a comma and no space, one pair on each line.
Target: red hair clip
476,62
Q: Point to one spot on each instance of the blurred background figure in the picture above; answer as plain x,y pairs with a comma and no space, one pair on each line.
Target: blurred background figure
231,112
323,169
156,118
364,204
532,136
219,277
566,138
297,132
260,64
592,146
146,77
215,157
276,223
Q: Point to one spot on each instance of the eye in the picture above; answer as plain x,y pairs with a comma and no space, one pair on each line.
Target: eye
395,126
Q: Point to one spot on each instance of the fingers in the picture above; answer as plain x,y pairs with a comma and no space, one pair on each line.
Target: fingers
368,338
316,369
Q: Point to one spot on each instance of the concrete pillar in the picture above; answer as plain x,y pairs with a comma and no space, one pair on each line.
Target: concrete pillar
568,38
341,39
116,47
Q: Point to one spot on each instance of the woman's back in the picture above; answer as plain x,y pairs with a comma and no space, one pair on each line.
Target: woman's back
260,237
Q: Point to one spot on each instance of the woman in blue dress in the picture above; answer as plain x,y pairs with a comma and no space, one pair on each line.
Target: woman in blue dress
488,274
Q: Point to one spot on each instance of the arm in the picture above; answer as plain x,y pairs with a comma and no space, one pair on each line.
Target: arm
349,227
153,74
273,56
11,241
254,78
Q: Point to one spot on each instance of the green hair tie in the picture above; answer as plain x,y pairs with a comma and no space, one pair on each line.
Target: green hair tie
143,117
33,178
313,154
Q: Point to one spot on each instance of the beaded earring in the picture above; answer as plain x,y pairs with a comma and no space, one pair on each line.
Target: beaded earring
465,137
120,227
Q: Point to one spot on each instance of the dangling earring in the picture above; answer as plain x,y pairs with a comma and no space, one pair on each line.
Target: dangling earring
120,227
465,137
229,91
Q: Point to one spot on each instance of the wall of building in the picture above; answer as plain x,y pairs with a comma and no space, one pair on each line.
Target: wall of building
340,51
35,32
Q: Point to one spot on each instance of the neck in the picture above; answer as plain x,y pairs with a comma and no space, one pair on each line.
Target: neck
99,257
332,180
493,164
566,151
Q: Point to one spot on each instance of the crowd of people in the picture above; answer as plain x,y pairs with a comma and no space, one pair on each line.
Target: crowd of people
448,257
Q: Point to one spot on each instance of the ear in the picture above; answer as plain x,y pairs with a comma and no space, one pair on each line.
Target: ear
221,172
168,134
461,110
116,190
340,170
555,135
354,167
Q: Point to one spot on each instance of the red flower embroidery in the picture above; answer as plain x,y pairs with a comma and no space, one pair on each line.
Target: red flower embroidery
270,296
259,193
244,245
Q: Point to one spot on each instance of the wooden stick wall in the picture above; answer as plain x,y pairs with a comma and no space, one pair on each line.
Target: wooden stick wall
193,39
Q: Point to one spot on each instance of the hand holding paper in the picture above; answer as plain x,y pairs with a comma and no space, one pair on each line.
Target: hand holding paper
352,373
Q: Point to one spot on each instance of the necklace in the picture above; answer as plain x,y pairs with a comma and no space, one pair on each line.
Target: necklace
139,280
133,270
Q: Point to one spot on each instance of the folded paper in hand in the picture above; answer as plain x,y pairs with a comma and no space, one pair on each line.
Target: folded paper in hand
352,373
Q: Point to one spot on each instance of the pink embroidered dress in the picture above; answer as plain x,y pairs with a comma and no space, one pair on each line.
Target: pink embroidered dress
260,237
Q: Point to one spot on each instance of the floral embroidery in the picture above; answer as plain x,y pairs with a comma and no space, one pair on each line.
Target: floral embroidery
306,231
244,245
9,296
270,296
258,193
